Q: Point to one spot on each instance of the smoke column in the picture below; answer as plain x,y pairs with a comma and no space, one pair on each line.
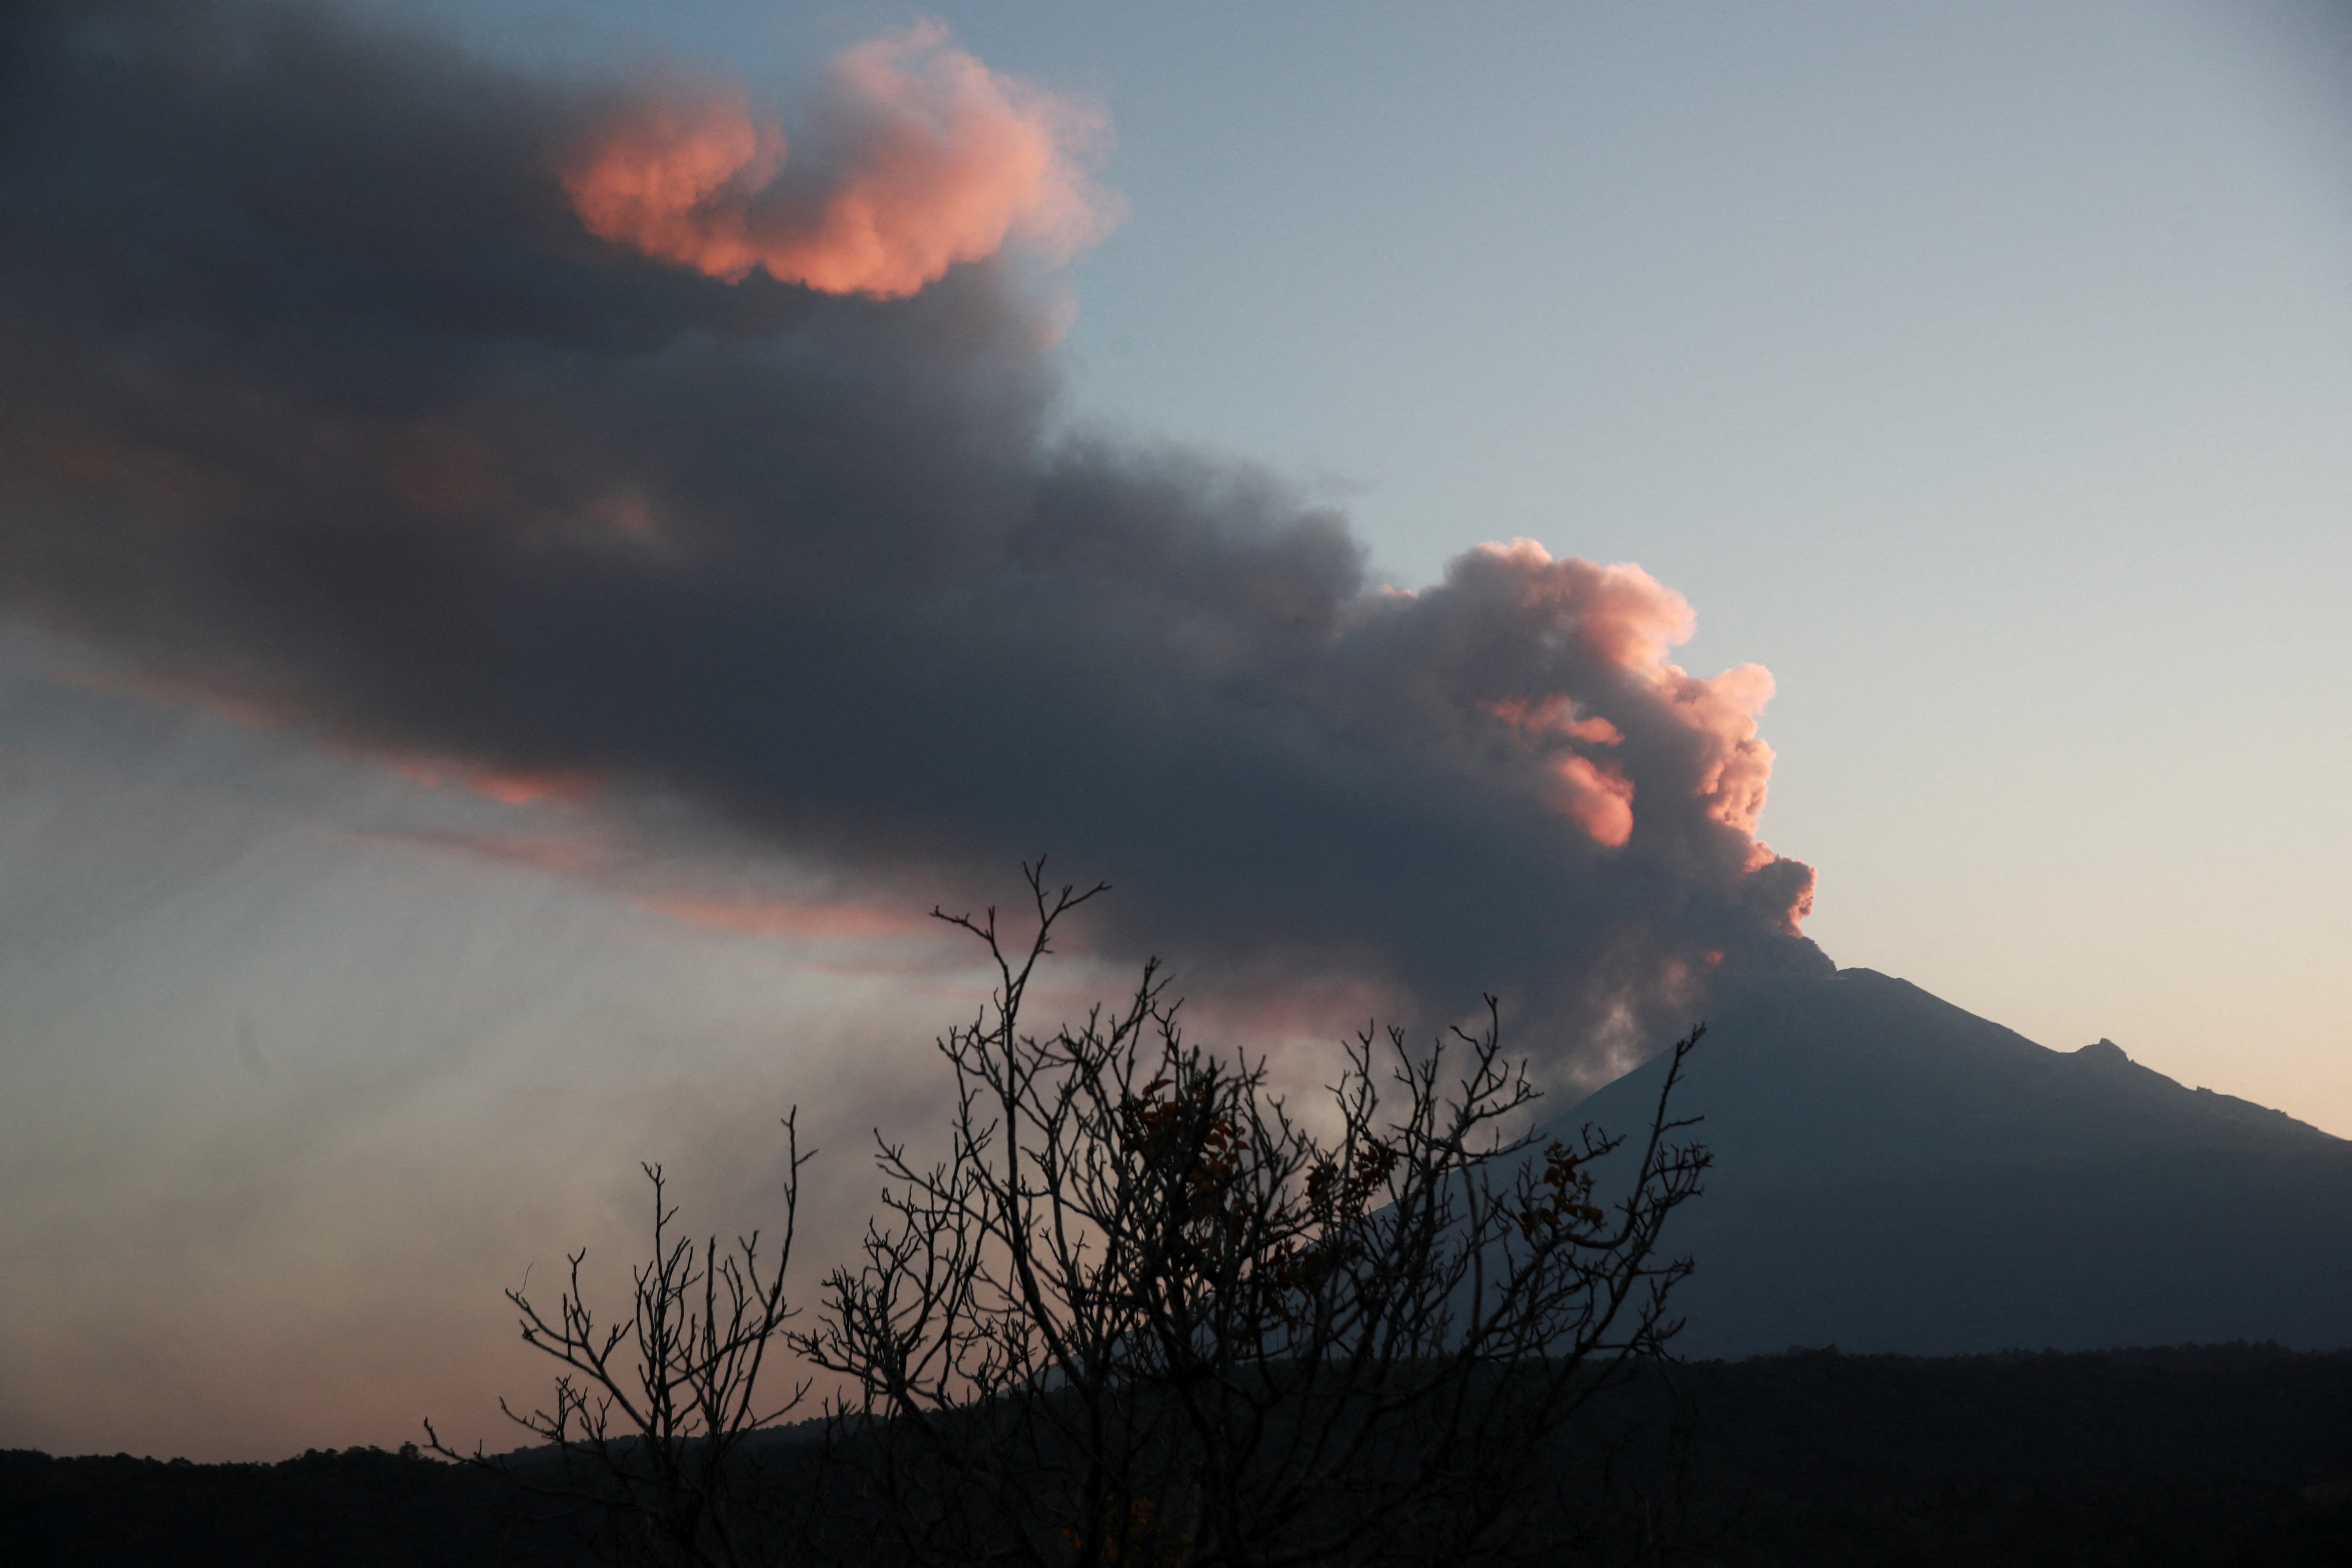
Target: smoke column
620,442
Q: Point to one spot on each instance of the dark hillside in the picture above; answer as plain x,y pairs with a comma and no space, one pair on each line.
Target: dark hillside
1895,1173
360,1507
2168,1458
2217,1455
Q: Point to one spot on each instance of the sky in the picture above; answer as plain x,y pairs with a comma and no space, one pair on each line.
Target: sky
499,655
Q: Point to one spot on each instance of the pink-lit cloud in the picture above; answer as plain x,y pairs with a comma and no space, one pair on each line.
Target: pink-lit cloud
506,787
749,916
1591,663
1555,715
170,690
1599,796
918,157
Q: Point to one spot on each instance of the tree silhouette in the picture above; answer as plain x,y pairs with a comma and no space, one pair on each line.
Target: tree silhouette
1140,1316
651,1417
1139,1313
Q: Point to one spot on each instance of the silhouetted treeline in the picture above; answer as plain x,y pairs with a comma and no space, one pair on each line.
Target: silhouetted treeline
360,1507
2234,1454
2195,1454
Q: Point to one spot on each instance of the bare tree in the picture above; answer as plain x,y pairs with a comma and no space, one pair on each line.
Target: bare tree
652,1416
1139,1315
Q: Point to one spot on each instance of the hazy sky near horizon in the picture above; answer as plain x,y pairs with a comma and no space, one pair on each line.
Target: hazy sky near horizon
1983,372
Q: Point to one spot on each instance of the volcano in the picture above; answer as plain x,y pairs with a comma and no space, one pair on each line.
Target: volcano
1894,1173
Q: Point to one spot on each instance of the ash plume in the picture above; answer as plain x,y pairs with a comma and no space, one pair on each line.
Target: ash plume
587,432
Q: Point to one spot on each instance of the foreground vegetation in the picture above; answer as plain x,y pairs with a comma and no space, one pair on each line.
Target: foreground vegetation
1138,1314
2219,1455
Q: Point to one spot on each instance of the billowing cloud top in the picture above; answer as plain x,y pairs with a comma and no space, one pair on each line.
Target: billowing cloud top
598,437
923,158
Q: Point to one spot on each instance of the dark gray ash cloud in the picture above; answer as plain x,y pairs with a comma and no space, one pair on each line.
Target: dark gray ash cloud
316,394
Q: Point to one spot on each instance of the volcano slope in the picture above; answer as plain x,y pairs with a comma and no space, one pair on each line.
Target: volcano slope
1894,1173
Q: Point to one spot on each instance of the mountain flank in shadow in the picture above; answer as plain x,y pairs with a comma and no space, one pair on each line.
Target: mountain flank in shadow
1894,1173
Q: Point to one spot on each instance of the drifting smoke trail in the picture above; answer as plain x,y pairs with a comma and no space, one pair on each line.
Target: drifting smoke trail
444,413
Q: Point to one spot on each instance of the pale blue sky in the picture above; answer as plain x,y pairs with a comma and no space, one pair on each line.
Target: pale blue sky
1984,370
